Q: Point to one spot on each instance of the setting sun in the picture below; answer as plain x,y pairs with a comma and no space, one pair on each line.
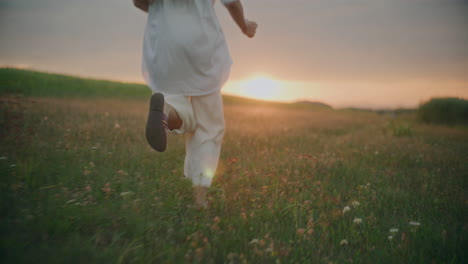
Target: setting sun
261,87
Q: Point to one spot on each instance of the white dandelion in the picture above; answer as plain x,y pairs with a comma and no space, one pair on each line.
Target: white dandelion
393,230
125,193
3,158
414,223
355,203
357,220
254,241
346,209
344,242
390,237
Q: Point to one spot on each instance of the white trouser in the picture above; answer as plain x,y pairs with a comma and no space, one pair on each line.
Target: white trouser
203,126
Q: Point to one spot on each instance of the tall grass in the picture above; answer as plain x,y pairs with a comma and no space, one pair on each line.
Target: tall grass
448,111
79,184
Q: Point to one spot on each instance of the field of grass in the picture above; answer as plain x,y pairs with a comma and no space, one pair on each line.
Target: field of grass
79,184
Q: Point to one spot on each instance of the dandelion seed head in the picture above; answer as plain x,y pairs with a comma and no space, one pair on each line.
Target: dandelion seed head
3,158
390,237
254,241
346,209
344,242
357,220
355,203
414,223
393,230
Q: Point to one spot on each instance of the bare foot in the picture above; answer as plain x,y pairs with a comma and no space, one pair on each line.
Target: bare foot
199,193
174,121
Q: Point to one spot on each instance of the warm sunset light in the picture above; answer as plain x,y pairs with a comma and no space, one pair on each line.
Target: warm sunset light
261,87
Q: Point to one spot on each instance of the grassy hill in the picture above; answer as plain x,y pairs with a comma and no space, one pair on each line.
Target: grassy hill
79,184
41,84
34,83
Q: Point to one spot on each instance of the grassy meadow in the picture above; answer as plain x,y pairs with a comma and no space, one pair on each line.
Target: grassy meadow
296,183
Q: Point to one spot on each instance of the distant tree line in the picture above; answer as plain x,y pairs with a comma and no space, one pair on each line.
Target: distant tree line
448,111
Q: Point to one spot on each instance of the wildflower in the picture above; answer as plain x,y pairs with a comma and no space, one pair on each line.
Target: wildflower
106,189
3,158
125,193
344,242
254,241
393,230
346,209
357,220
355,203
199,253
414,223
122,172
12,165
390,237
261,242
300,231
244,215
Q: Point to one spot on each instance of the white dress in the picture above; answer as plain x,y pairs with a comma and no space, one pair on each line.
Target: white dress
184,49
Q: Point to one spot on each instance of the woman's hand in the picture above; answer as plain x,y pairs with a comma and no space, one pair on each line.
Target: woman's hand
250,28
141,4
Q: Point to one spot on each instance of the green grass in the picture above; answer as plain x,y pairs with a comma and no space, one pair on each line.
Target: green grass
34,83
80,185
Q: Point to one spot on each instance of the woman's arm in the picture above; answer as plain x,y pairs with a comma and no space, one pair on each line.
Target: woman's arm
236,10
141,4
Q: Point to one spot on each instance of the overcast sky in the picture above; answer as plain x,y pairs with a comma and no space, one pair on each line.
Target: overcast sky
328,41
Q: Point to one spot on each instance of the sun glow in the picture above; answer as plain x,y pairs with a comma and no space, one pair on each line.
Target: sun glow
261,87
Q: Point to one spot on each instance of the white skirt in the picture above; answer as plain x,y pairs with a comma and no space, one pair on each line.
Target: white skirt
184,48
